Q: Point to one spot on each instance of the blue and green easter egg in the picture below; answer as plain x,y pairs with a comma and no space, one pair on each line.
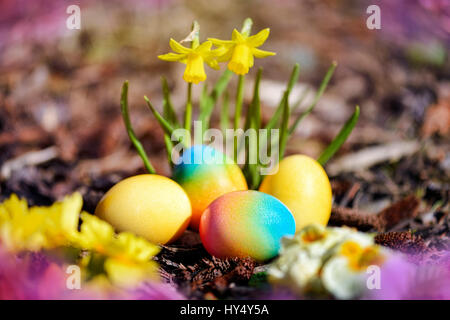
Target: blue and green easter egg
205,174
245,224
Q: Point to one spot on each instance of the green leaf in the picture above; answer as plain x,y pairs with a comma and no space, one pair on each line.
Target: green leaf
165,125
284,134
300,100
126,119
238,111
258,279
339,140
188,111
253,121
169,147
279,111
168,110
225,113
170,115
319,94
208,102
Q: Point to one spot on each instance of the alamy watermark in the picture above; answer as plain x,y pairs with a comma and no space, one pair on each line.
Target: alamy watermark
374,19
73,22
373,281
263,146
73,281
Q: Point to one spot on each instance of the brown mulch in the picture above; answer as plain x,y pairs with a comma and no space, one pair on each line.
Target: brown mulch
188,266
406,208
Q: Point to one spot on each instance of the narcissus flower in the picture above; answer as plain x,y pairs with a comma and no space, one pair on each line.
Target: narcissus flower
194,58
241,50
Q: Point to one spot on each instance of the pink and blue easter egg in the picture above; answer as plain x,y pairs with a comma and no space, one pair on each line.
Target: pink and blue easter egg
245,224
205,174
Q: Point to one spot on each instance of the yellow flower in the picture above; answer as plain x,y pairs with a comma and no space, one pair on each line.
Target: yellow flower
193,58
344,274
23,228
319,258
241,50
60,225
95,234
131,262
127,257
360,258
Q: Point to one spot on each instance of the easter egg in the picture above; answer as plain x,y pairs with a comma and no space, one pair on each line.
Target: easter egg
147,205
245,224
206,174
303,186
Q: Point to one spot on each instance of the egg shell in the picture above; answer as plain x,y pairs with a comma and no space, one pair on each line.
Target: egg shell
245,224
206,174
303,186
148,205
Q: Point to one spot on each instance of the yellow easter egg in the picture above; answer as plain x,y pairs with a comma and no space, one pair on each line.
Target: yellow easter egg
148,205
303,186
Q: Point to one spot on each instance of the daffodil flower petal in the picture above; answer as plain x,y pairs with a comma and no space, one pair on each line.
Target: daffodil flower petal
219,43
259,38
195,70
258,53
212,63
224,54
241,50
172,56
236,36
194,59
204,48
178,48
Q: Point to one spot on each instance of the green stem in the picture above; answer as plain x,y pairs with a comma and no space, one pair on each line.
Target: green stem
188,113
319,94
238,111
300,100
279,111
224,117
126,119
165,125
340,138
284,128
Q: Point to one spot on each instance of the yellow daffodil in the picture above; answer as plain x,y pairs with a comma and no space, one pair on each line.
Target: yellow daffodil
194,58
241,50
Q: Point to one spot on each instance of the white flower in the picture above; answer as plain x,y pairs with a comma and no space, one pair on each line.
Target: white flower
320,259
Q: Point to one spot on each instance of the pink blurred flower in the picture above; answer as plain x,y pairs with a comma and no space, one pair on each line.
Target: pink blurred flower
402,280
45,20
156,291
416,20
34,276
